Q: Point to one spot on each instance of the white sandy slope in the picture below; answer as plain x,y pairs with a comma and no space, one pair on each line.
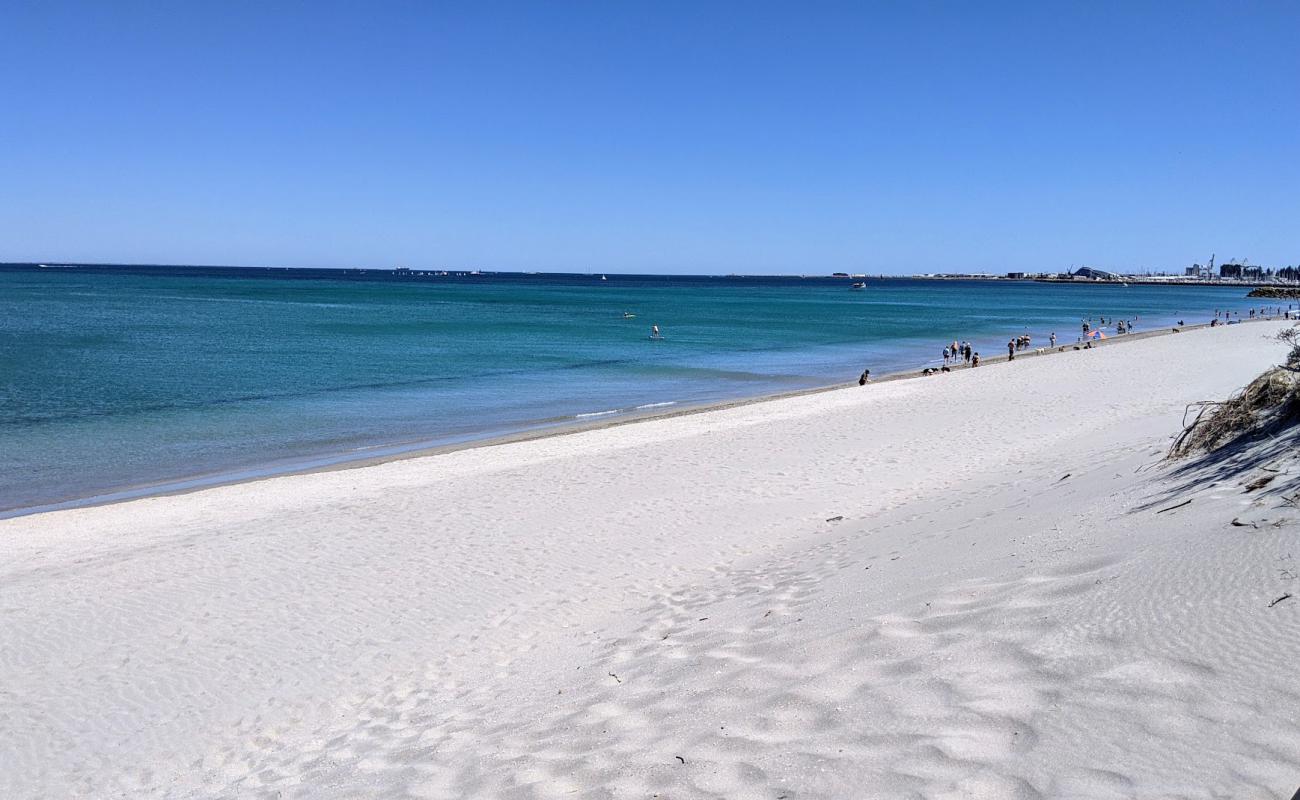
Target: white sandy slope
663,609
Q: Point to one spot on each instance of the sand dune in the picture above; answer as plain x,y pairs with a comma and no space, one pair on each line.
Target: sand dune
880,592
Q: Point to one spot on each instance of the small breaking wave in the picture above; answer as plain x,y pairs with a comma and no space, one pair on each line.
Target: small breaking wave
609,412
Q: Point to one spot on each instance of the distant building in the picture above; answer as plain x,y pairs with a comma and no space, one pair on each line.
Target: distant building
1090,274
1016,276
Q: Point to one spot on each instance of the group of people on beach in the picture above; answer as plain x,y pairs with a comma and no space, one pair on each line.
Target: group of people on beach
958,352
1222,317
1263,312
954,354
1121,326
1017,344
961,352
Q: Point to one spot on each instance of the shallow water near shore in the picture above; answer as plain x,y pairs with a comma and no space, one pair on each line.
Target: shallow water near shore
112,379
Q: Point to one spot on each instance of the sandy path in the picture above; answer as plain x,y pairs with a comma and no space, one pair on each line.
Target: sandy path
568,616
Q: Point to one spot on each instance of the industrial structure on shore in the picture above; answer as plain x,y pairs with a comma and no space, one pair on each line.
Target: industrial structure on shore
1234,271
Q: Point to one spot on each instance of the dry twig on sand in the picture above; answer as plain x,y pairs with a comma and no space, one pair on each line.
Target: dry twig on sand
1260,483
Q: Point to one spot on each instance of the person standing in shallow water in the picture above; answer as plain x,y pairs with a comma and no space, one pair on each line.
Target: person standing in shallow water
1053,338
1011,349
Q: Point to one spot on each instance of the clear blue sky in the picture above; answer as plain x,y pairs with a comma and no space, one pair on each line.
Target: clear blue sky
701,137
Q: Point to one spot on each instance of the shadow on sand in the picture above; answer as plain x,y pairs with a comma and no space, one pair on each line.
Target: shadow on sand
1248,460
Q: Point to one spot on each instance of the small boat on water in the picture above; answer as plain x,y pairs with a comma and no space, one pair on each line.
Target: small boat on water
859,286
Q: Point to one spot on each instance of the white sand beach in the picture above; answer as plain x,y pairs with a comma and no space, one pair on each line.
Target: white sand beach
961,586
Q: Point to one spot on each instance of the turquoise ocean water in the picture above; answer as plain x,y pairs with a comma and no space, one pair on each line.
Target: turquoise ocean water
118,380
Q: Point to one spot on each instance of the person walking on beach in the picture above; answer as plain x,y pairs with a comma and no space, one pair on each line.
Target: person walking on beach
1052,338
946,355
1011,349
966,352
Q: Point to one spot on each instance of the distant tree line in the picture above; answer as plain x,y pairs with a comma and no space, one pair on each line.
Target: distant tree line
1246,272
